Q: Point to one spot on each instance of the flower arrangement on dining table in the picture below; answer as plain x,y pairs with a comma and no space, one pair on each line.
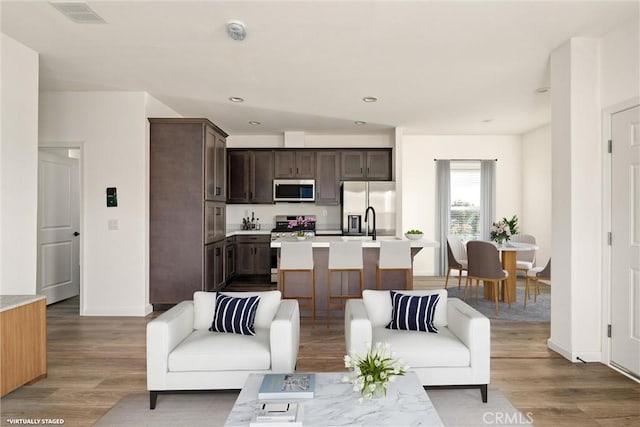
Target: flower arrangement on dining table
371,373
502,230
300,224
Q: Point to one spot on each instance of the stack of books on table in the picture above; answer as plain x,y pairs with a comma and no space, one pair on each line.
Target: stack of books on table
287,386
277,415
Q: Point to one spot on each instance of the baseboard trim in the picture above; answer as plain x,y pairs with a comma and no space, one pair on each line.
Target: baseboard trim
575,357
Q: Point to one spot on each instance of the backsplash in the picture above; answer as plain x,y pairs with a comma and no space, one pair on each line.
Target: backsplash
328,217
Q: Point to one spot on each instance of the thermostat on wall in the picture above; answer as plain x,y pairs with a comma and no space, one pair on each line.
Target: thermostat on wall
112,197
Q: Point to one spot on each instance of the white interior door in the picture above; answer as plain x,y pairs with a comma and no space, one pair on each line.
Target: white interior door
58,272
625,251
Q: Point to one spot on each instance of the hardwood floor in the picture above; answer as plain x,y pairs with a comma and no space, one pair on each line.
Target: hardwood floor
95,361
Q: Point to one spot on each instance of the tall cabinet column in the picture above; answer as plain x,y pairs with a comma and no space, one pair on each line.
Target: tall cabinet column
186,208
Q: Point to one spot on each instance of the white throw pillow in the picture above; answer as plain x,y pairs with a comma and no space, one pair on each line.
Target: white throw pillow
379,307
204,305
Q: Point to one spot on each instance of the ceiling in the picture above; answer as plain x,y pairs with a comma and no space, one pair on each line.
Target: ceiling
445,67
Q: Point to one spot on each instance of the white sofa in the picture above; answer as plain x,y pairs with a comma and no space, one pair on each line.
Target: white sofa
182,354
457,356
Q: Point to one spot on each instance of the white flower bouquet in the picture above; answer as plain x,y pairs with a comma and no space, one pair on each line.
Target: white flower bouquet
371,374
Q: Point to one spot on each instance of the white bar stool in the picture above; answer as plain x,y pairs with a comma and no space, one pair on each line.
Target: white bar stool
298,256
344,257
395,255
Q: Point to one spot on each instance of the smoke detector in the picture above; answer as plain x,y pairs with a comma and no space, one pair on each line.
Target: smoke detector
236,30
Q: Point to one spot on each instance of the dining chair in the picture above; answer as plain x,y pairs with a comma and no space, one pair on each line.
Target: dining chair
536,274
484,264
525,259
395,255
456,258
298,257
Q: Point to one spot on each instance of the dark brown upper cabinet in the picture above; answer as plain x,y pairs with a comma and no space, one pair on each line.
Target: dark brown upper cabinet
249,176
368,165
327,177
295,164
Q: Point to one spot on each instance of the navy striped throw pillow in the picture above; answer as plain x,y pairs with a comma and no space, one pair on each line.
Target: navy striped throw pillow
413,312
235,315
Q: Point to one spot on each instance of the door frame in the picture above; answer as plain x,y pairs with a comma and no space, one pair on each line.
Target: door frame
78,145
606,227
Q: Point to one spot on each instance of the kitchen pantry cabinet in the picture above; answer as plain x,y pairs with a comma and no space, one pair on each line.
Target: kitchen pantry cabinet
294,164
250,176
186,212
366,165
253,254
327,178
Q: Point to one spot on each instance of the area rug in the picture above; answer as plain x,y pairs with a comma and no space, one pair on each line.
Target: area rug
539,311
456,407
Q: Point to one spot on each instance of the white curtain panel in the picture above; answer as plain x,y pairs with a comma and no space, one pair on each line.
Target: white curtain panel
443,203
487,196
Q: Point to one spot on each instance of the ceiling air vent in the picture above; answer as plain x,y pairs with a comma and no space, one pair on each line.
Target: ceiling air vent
78,11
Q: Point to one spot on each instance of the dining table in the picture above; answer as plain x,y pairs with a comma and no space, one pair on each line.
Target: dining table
508,256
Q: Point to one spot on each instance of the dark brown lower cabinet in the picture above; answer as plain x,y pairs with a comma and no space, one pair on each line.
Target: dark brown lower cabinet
230,259
253,254
214,256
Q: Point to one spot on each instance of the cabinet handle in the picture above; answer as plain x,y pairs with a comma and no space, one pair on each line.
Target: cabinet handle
251,194
218,191
297,171
217,251
360,170
218,211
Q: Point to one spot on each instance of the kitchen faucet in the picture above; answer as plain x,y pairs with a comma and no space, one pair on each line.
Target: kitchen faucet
366,218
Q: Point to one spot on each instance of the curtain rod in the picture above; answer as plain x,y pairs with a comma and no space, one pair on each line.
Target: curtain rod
465,160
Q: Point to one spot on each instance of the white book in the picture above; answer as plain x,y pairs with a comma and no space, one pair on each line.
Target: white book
286,421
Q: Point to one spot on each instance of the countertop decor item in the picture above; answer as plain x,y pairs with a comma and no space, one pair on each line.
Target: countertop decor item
414,234
300,224
371,373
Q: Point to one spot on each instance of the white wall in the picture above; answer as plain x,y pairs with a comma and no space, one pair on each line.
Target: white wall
18,167
620,64
577,200
112,128
536,190
419,183
312,141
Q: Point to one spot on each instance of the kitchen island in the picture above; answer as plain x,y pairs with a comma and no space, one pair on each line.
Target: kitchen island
298,283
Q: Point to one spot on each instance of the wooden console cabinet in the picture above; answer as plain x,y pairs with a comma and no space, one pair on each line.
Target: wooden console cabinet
23,335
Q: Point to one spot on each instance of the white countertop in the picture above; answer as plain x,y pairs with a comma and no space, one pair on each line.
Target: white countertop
8,302
244,232
367,242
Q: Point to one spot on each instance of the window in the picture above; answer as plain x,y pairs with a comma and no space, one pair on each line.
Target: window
464,212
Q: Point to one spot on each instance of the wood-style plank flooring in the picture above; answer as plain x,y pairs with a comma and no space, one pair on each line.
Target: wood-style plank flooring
95,361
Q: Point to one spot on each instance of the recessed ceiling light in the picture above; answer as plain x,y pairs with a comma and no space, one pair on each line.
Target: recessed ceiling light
369,99
487,120
236,99
543,89
360,122
254,123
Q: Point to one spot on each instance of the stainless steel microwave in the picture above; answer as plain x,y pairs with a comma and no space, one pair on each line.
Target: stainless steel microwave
294,190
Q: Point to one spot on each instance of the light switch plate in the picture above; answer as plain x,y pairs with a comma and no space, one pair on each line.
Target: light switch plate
113,224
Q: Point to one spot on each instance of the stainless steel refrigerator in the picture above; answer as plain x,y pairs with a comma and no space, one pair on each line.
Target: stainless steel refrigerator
357,196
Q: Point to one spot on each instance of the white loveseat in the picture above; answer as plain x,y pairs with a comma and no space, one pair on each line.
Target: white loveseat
457,356
182,354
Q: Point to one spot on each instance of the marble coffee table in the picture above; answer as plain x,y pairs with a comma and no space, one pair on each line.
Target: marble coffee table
336,404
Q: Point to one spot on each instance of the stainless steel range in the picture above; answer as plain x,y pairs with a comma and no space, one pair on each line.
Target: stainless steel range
282,230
